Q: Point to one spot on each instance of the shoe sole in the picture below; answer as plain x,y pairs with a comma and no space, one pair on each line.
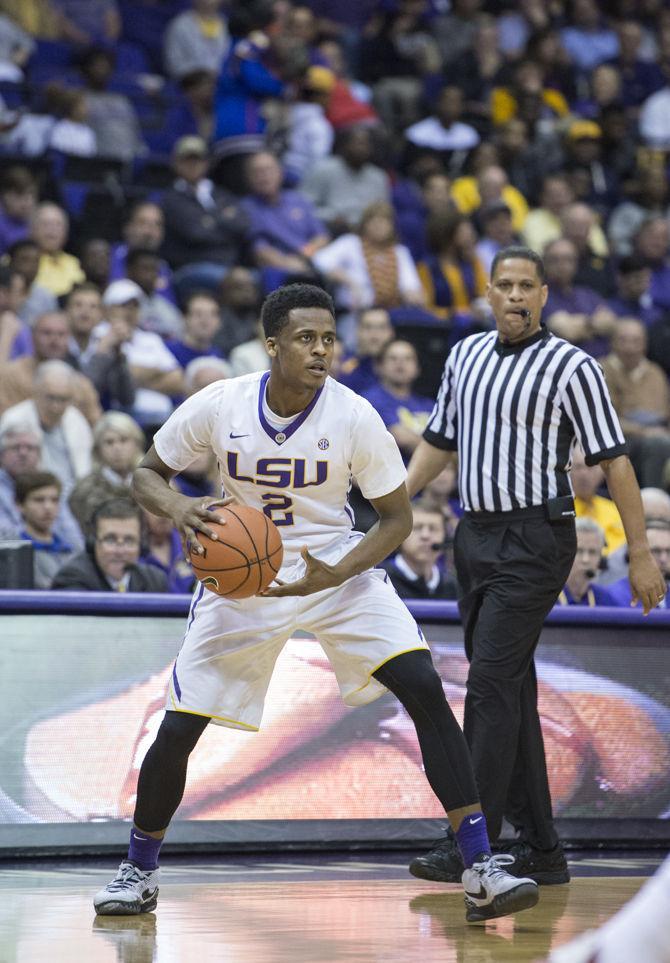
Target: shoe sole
422,871
119,908
513,901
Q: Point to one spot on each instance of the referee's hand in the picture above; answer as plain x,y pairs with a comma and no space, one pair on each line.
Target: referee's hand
646,581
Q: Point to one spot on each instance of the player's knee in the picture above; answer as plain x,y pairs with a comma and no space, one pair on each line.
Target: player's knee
179,732
428,686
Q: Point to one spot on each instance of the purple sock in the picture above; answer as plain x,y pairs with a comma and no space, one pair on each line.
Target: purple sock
473,839
143,850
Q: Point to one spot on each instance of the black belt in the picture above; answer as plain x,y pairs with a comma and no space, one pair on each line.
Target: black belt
554,510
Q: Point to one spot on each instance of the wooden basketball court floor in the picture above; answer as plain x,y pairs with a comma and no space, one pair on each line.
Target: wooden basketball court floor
299,909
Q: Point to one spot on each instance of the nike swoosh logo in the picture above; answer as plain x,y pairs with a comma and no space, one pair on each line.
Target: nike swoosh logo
473,821
238,436
482,894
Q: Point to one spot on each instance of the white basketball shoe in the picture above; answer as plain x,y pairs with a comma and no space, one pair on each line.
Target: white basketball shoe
490,891
132,891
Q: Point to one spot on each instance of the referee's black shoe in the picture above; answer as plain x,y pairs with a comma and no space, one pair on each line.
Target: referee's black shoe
546,867
443,864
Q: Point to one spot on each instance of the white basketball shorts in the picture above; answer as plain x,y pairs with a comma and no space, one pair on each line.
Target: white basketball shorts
230,647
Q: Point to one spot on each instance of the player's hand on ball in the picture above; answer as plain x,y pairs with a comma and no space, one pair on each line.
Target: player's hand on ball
318,576
192,515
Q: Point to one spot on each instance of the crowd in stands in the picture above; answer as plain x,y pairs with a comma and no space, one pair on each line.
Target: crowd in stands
163,166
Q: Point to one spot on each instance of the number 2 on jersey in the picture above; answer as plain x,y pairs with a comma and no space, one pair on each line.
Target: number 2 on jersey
281,504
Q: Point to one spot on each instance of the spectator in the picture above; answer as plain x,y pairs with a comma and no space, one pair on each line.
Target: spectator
543,223
143,227
16,46
154,369
285,230
605,85
655,505
205,371
69,134
652,198
248,78
66,435
594,270
495,224
240,303
632,298
118,446
572,311
196,39
202,320
480,69
444,131
527,97
404,413
527,156
455,31
87,22
15,337
654,124
586,480
414,571
18,198
349,101
111,115
192,115
250,356
593,180
587,39
309,134
640,78
489,186
96,261
453,277
163,550
416,198
641,397
373,332
205,229
371,267
580,588
658,536
157,313
58,271
37,497
21,452
50,342
652,243
100,358
343,186
110,562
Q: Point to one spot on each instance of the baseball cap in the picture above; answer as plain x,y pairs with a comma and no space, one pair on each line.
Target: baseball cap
121,292
584,130
190,146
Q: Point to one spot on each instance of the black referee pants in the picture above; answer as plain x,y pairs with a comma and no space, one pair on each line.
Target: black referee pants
511,567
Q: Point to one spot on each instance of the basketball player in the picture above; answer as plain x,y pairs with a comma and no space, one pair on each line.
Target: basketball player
289,442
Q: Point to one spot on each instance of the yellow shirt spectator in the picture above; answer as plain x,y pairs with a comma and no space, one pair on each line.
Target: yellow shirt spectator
466,195
59,272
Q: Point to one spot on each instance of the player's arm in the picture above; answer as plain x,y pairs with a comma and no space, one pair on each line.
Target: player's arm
646,581
426,464
151,488
392,528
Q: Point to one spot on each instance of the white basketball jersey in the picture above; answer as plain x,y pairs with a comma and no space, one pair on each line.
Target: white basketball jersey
297,471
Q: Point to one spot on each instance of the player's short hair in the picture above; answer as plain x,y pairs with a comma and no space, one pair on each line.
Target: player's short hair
520,253
278,305
31,481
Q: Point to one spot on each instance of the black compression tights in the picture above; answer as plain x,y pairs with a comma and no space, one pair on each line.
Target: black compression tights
411,677
414,681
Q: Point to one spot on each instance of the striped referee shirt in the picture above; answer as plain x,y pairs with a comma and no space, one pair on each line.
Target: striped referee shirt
514,413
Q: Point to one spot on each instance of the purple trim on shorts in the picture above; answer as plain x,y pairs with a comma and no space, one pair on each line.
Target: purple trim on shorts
348,510
195,605
288,430
177,687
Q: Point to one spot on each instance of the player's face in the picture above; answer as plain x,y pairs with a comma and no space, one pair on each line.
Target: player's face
516,287
302,352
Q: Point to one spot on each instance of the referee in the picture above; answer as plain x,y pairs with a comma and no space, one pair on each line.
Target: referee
513,403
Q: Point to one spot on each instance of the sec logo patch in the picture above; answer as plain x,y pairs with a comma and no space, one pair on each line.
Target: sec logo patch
323,444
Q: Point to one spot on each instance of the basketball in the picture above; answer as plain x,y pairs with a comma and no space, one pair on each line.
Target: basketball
246,556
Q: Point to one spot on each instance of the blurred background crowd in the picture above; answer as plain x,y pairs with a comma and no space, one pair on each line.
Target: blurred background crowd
164,164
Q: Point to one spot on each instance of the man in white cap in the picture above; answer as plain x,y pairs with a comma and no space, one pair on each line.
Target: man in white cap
153,367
